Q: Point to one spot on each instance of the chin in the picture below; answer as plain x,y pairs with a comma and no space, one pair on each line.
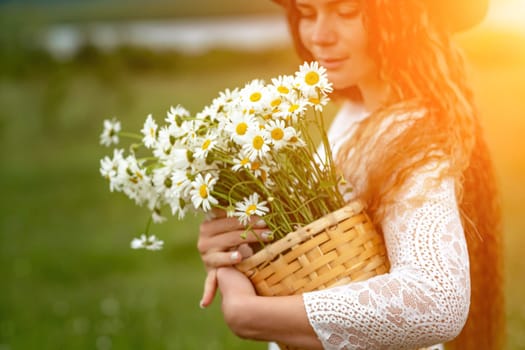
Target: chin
341,85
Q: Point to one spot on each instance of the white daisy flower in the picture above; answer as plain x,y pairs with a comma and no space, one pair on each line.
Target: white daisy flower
312,77
177,158
293,110
262,171
207,144
178,208
181,184
157,217
208,114
190,130
250,206
136,184
176,115
201,192
149,243
254,96
109,135
283,84
239,125
165,143
226,97
162,180
318,101
256,144
180,189
198,165
295,139
149,130
279,133
226,102
241,162
109,169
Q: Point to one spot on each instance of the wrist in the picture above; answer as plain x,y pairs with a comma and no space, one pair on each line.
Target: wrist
241,315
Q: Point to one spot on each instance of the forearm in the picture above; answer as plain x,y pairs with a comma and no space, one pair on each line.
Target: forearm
279,319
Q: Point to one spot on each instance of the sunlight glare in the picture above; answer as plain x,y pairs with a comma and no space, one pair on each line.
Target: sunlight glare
508,13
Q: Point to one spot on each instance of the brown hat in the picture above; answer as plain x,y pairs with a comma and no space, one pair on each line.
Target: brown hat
458,15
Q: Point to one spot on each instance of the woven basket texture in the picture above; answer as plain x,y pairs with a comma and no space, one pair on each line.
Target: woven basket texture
336,249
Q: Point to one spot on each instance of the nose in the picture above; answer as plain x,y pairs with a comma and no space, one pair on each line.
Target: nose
323,31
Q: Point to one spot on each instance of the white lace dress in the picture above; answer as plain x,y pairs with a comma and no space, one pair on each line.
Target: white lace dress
424,299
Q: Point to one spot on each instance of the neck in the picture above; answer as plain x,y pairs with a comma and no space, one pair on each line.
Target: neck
375,93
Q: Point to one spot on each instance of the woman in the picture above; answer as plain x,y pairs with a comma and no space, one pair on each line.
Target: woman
409,141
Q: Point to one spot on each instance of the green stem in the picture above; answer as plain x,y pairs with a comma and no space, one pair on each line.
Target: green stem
130,135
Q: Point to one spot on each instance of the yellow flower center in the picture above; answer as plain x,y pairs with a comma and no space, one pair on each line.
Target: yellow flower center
311,78
258,142
283,89
256,96
256,165
245,161
206,144
251,209
203,191
276,102
314,100
293,108
277,134
241,128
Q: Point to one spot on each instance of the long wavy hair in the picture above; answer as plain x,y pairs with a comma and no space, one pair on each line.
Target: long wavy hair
425,71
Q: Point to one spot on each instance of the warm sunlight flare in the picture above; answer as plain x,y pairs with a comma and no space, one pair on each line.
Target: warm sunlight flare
508,13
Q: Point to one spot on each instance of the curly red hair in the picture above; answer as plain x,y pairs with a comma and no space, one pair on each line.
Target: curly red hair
425,71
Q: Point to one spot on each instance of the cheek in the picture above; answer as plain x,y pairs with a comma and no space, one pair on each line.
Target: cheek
304,35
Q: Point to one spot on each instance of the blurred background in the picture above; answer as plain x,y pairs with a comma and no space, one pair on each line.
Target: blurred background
68,279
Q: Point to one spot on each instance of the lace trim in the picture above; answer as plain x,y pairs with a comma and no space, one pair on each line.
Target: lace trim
425,298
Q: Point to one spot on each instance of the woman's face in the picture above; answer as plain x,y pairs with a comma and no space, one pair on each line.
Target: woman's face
333,32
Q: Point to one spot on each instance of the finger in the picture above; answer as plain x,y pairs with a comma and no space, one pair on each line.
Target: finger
225,224
216,213
245,250
210,288
227,241
222,259
219,225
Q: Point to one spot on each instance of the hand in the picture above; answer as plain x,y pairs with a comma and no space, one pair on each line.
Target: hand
221,244
234,285
249,316
236,291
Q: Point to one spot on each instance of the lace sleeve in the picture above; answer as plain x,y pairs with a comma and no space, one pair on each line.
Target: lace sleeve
424,299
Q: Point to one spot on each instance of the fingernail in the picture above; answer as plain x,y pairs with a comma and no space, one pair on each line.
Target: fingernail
201,304
267,236
235,256
260,223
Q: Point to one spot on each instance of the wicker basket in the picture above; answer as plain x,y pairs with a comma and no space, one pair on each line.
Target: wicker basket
340,247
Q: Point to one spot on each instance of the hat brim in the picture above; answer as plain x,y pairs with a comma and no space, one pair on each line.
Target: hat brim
457,16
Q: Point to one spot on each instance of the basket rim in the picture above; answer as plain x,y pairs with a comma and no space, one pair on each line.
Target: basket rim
274,249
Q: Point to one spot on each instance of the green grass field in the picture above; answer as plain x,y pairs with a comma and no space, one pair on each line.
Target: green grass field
70,280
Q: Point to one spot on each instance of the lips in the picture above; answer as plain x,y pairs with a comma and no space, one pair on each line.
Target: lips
332,62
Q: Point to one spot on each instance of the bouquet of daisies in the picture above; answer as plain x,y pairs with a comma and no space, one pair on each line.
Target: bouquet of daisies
251,152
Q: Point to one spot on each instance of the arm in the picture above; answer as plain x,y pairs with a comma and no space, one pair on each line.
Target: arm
281,319
220,244
424,300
